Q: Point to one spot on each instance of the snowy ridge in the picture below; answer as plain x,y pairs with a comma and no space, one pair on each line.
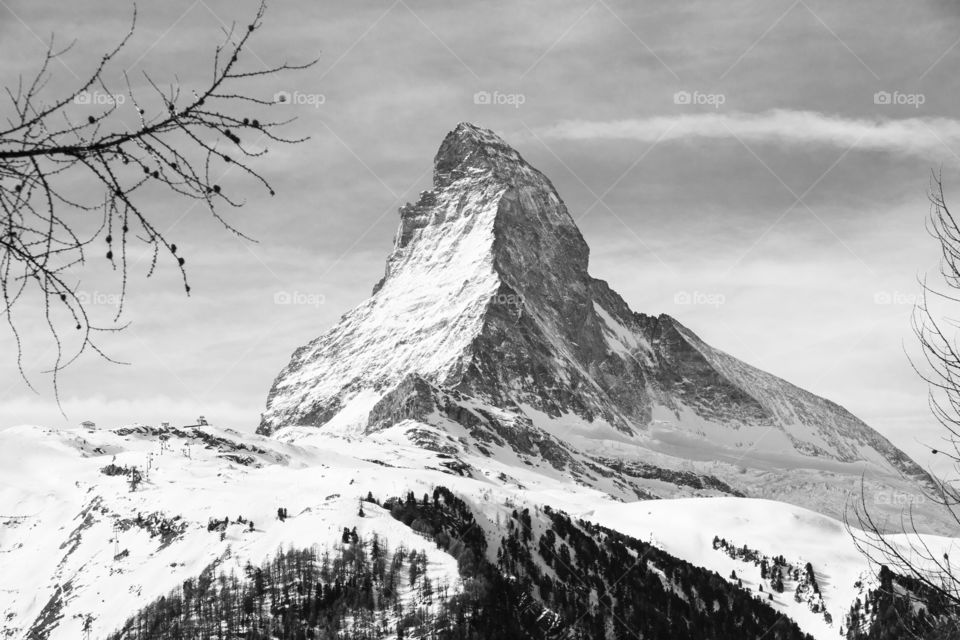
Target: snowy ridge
818,425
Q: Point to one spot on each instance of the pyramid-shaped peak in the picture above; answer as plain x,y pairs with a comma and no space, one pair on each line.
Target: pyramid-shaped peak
471,148
468,131
487,323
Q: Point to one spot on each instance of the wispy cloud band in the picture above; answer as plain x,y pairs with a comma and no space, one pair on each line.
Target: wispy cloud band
918,136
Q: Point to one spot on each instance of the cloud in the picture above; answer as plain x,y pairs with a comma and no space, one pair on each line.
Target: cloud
917,136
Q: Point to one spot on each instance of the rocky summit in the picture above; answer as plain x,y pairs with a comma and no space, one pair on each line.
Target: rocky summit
488,325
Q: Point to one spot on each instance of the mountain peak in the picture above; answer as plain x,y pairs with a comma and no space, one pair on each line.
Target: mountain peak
469,149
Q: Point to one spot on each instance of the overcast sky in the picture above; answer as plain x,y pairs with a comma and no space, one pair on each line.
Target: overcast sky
770,159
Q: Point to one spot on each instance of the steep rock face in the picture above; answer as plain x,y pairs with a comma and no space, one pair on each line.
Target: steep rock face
486,291
486,301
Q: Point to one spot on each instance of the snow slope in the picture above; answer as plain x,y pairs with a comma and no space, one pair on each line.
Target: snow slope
686,528
69,548
58,540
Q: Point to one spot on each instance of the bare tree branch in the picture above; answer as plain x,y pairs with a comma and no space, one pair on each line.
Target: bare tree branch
46,234
900,546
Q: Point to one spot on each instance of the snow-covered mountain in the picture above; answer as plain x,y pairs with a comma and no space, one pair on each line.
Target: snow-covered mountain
487,319
462,456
